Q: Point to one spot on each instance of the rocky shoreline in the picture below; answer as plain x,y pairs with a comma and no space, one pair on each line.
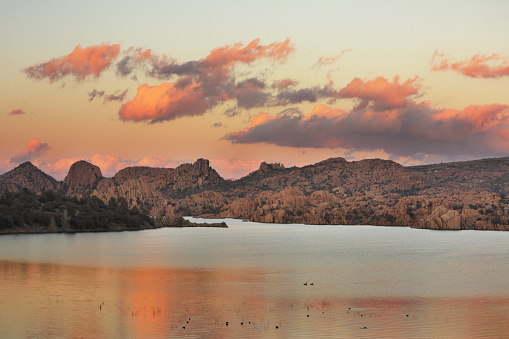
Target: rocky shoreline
449,196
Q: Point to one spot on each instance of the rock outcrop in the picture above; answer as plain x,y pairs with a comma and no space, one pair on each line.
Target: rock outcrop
27,176
81,179
454,196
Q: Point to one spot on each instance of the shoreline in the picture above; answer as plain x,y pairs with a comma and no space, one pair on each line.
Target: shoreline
31,230
346,225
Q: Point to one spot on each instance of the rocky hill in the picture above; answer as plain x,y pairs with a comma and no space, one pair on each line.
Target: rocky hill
461,195
82,179
29,177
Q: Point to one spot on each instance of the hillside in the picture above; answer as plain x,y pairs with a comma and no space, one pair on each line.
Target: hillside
460,195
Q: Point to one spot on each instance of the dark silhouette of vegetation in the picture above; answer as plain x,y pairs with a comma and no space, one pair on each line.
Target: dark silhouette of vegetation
50,211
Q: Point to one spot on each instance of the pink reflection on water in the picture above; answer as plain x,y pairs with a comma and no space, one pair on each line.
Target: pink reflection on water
51,300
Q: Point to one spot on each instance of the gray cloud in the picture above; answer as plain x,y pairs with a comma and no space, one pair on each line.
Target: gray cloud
95,94
415,130
115,97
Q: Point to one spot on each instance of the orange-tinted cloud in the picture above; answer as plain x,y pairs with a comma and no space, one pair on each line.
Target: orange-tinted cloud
33,150
389,121
479,66
229,55
80,63
320,111
18,111
200,85
164,102
381,92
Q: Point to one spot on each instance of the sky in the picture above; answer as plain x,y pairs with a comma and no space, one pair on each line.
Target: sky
161,83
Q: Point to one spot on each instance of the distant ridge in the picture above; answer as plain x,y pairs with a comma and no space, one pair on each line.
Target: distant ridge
458,195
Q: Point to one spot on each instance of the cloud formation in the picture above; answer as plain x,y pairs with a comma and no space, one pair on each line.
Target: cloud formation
189,88
329,60
479,66
166,101
380,93
33,150
18,111
95,94
200,85
388,119
107,97
292,96
81,63
115,97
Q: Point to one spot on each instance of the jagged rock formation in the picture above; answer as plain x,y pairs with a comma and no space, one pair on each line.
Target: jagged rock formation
27,176
463,195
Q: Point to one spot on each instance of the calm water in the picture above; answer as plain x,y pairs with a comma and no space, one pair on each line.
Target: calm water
382,282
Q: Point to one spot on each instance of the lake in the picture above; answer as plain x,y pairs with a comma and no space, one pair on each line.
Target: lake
249,281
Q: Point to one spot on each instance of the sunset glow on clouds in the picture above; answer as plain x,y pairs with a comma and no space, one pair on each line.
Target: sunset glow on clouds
386,118
80,63
18,111
213,82
478,66
33,150
202,84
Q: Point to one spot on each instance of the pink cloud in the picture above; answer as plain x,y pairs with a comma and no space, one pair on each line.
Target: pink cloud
234,168
109,163
284,84
157,161
60,168
33,150
80,63
18,111
5,165
478,66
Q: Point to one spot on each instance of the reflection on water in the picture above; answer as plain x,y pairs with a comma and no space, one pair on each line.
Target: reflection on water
166,292
53,300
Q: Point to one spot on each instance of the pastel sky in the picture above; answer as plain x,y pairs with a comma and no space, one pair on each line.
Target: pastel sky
160,83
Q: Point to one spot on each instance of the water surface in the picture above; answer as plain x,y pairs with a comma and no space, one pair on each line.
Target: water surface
189,282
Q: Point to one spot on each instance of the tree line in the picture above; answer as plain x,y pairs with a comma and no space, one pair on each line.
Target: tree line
51,211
